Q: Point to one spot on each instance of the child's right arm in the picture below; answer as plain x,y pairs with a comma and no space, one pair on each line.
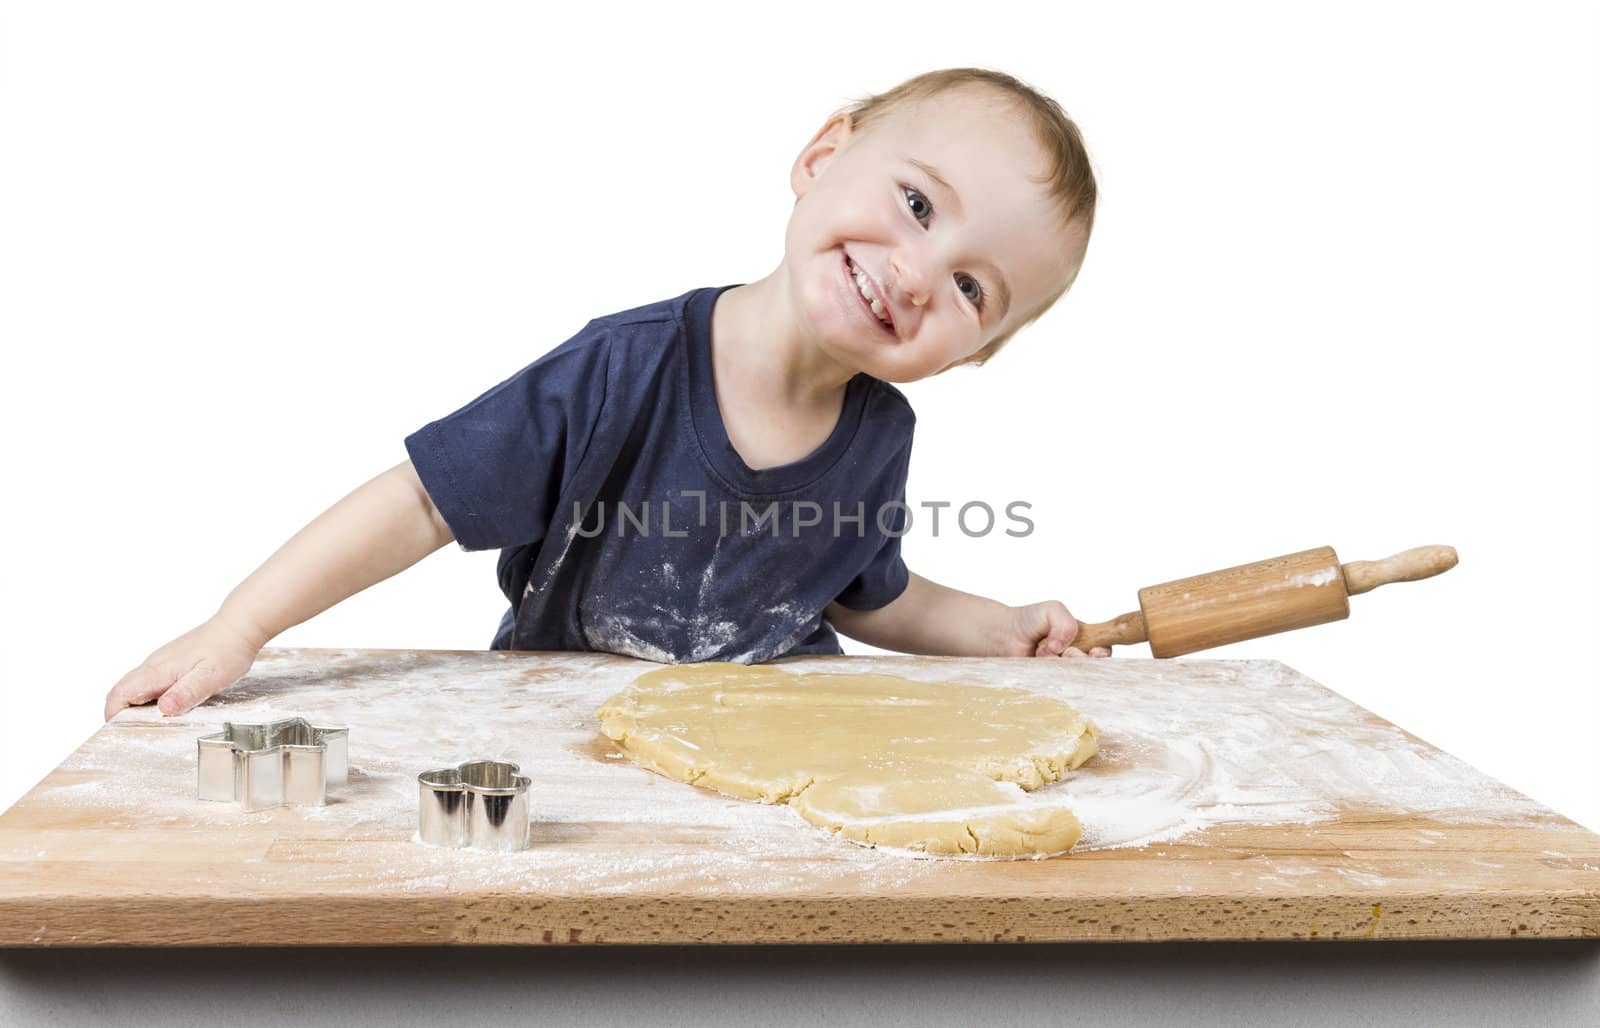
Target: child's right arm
377,531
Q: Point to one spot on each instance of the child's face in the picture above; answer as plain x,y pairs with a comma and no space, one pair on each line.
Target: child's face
930,252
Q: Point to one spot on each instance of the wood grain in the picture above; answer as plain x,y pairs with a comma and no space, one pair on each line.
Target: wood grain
76,873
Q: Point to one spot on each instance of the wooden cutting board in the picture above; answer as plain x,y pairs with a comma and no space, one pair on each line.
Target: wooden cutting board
1230,800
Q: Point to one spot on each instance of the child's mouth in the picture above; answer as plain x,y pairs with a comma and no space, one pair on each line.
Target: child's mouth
861,301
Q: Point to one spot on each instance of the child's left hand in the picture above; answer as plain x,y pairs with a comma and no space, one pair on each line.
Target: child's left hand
1046,630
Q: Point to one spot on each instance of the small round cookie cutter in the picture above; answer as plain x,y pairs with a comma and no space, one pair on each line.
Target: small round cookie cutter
481,804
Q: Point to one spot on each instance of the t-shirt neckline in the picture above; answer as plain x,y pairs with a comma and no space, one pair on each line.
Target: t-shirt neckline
712,433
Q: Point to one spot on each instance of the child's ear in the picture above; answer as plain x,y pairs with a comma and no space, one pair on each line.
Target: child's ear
824,146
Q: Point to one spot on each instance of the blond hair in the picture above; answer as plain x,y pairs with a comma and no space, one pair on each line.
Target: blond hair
1070,179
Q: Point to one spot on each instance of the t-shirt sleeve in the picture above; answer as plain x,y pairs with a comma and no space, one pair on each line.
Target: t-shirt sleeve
885,577
495,468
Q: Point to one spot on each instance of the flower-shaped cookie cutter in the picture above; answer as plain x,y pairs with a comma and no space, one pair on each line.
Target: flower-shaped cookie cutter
268,765
482,804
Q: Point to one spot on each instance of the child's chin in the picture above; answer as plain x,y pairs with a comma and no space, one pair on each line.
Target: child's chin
855,353
880,370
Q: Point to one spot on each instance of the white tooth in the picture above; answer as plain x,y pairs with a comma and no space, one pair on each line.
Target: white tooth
864,284
872,301
866,288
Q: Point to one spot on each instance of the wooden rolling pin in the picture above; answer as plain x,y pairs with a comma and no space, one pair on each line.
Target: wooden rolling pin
1246,602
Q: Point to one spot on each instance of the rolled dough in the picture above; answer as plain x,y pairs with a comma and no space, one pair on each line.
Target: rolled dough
939,767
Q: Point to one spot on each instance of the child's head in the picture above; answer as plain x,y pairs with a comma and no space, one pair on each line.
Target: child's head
1010,236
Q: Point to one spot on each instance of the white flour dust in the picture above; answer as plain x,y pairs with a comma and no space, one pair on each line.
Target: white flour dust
1184,745
629,624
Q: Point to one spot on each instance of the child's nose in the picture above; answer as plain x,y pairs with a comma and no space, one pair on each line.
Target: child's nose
906,279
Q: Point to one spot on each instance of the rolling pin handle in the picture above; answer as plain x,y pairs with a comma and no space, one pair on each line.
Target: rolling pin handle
1421,562
1123,631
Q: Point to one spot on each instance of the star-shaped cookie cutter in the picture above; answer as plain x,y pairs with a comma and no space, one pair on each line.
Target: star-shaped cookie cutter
482,804
268,765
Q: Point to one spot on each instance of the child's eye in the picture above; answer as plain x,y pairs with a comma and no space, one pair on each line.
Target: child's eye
926,203
976,298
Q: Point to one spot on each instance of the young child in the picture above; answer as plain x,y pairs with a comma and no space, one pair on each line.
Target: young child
636,478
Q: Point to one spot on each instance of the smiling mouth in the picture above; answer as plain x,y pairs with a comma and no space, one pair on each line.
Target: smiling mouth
861,301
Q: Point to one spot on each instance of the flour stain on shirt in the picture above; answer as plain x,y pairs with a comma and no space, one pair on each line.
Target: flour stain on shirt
555,565
706,634
706,576
780,613
659,622
615,634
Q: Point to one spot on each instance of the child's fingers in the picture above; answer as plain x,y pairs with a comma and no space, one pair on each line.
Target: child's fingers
1063,626
198,683
1100,651
1049,648
1050,625
193,667
141,685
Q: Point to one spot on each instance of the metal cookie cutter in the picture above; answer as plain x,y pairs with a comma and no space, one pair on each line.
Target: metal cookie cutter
261,766
482,804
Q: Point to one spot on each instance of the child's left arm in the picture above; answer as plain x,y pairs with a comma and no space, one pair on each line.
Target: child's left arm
935,620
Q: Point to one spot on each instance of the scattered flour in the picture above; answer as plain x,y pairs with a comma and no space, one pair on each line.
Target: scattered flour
1184,745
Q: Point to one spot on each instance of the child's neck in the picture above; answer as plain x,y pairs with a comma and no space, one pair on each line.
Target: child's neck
779,395
758,348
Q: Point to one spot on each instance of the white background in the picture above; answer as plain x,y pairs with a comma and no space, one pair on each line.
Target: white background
1342,291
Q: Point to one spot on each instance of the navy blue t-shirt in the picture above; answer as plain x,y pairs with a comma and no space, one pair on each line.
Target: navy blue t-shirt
628,523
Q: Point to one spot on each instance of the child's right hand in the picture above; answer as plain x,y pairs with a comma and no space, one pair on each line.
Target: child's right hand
193,667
